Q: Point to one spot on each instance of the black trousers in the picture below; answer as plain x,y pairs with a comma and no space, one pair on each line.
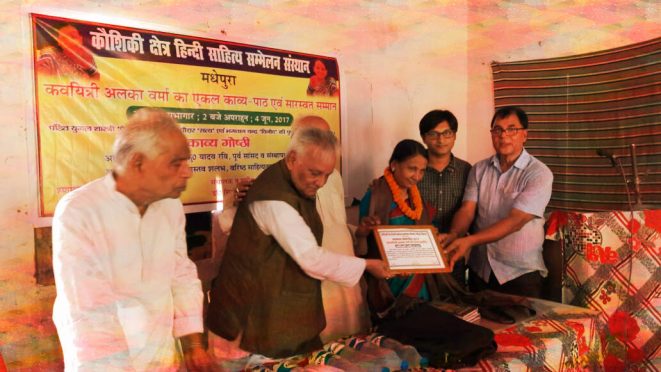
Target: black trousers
528,285
459,273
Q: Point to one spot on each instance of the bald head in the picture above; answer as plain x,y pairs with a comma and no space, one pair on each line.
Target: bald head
308,122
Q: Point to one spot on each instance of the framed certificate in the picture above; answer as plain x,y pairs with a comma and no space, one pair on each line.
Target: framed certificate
411,249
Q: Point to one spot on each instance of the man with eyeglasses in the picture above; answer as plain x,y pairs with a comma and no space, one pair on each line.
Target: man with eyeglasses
445,176
505,198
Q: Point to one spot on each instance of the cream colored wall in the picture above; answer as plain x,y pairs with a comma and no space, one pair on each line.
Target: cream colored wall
393,59
398,60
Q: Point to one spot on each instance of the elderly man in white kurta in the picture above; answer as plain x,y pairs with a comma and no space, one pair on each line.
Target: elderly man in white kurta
126,289
344,306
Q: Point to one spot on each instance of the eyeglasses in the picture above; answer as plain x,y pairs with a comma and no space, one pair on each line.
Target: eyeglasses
436,135
497,131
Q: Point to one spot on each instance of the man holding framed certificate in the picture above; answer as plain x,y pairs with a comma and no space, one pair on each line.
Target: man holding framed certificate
400,306
266,300
504,202
445,176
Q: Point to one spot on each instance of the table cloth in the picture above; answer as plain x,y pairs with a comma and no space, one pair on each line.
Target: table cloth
611,265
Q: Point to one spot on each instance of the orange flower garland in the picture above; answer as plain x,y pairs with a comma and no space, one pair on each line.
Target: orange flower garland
413,214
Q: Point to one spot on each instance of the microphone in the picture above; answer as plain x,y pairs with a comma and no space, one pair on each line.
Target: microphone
609,155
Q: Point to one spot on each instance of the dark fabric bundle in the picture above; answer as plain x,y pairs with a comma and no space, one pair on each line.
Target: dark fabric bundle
492,305
445,340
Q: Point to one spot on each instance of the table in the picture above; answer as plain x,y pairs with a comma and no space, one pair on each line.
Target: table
611,265
559,338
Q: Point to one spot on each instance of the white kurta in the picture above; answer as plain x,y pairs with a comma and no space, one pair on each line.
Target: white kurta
125,286
345,309
334,262
285,224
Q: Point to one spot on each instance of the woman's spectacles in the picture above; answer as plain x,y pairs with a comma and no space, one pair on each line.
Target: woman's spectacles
436,135
497,131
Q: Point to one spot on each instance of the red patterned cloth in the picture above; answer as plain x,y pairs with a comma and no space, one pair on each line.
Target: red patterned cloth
562,339
559,338
3,368
611,264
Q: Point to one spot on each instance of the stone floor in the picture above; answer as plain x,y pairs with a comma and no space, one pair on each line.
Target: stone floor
28,340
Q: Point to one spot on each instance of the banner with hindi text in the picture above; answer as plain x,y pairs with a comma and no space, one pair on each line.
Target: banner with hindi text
234,102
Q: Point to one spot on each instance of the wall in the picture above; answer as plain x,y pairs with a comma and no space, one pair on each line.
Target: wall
393,58
398,60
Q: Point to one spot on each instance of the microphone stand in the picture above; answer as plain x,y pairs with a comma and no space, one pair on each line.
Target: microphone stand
618,163
638,206
636,180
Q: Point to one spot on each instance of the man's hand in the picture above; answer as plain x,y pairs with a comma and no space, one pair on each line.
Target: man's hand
195,355
377,268
366,225
445,239
242,189
197,359
459,249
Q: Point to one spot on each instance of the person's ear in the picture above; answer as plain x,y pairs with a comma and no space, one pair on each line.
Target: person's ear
290,159
392,166
136,161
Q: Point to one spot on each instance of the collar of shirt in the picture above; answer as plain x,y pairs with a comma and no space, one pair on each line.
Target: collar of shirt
451,167
111,185
520,163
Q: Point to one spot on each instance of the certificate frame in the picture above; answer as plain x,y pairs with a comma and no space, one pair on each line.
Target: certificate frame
392,240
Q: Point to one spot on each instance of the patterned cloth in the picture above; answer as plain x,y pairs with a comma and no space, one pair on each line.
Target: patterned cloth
560,338
611,264
444,191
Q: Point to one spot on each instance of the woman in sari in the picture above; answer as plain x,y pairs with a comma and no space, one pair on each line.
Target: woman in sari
394,199
402,307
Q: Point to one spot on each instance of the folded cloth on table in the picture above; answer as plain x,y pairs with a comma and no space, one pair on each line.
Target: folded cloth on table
445,340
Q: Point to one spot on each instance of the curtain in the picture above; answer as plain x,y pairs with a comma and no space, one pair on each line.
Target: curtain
580,104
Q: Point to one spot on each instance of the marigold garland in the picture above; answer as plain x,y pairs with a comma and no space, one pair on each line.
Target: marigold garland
413,214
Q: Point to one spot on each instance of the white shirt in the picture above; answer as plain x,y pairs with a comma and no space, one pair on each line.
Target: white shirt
335,264
285,224
345,309
526,186
125,286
